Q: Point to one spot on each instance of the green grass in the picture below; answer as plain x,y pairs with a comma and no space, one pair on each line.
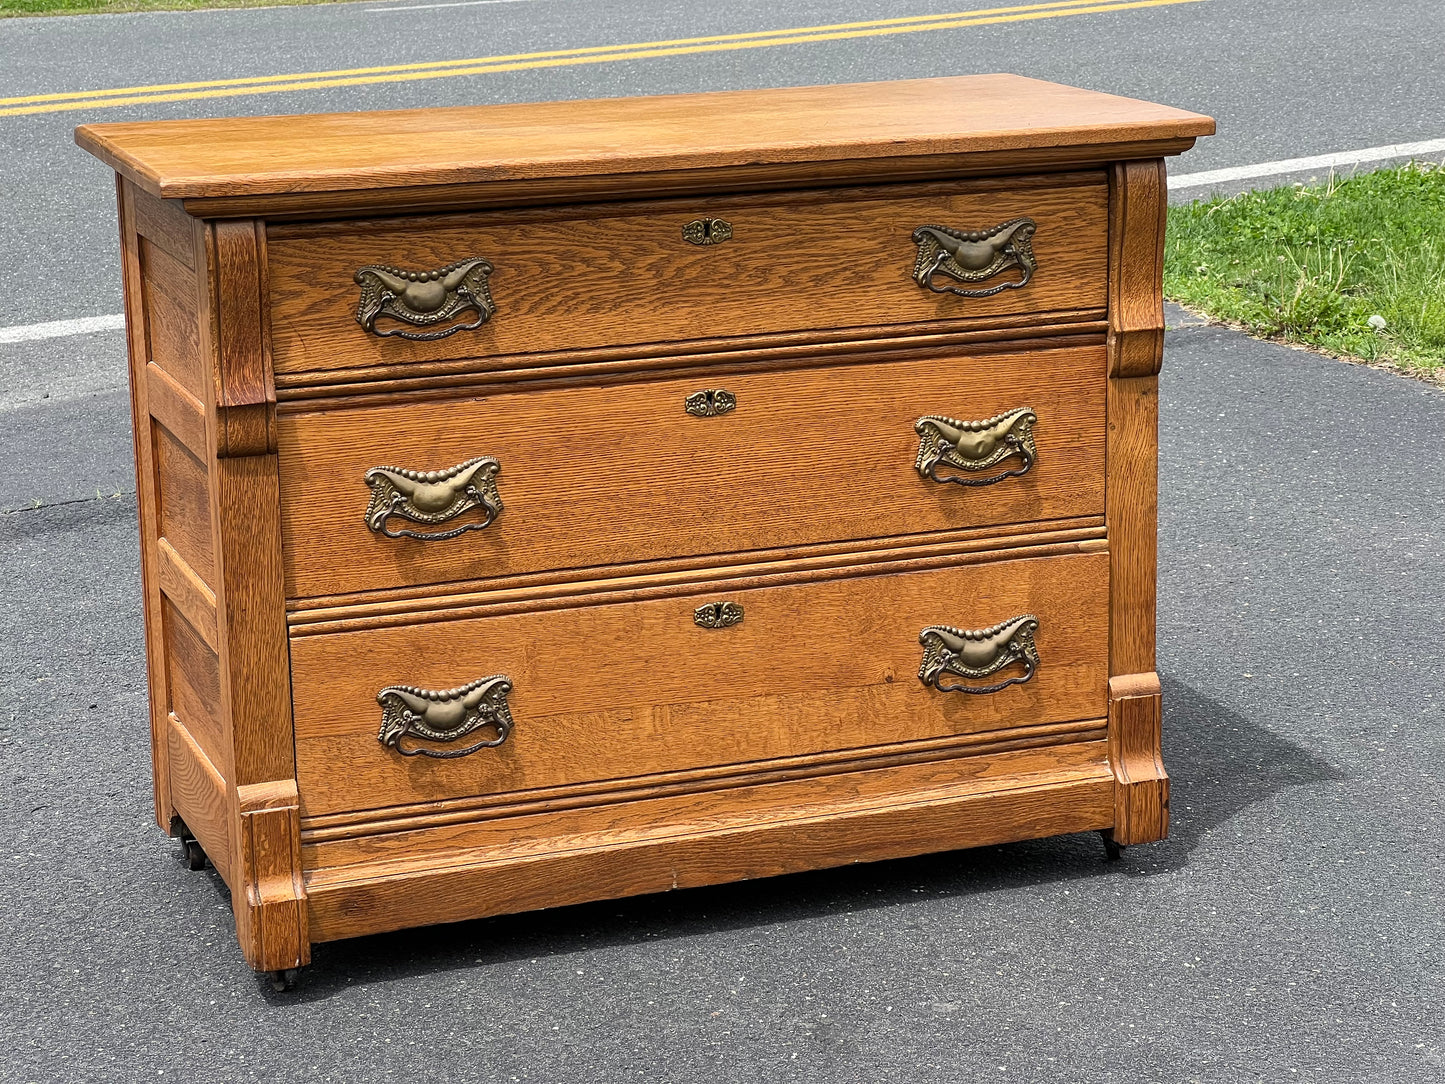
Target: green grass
1313,264
13,8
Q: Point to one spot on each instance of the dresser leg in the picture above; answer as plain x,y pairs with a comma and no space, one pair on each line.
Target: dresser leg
283,980
1141,791
269,898
1112,851
192,853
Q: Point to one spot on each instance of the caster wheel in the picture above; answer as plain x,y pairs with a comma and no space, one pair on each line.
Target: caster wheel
281,981
1112,851
193,853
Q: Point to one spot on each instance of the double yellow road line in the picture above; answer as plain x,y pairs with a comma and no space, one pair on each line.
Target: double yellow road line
601,54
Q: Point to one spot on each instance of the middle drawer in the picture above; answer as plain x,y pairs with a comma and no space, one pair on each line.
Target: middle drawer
596,476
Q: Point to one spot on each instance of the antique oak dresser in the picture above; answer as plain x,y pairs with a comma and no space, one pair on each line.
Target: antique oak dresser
546,503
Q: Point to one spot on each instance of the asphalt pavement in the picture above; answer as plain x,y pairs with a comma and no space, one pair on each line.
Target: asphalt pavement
1289,929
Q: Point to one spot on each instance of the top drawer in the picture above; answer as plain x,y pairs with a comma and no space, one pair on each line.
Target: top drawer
622,274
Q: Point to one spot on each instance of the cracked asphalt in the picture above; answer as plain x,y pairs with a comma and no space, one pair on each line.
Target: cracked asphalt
1289,929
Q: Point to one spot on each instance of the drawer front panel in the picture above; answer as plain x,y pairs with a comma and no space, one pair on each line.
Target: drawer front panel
627,689
593,476
625,274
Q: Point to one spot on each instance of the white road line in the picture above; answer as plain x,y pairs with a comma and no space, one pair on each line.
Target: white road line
58,329
456,4
1318,161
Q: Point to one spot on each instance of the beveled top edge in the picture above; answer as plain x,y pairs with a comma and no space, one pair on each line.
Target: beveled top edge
335,152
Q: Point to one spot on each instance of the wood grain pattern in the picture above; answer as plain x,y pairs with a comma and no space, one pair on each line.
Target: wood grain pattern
255,672
183,499
271,904
148,512
648,753
712,838
183,586
193,677
246,407
457,377
590,277
669,578
366,825
649,588
343,152
352,203
177,409
630,689
596,476
1138,206
198,795
1141,796
165,224
1132,496
171,311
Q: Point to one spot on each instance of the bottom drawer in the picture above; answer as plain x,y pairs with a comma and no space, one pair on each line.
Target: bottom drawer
616,690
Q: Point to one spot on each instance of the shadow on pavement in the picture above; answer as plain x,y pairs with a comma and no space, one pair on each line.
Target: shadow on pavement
1220,764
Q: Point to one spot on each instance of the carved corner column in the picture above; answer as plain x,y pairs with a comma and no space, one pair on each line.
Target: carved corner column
1138,205
268,892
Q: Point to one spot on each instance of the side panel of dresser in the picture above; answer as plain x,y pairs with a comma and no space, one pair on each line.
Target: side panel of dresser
1137,209
203,407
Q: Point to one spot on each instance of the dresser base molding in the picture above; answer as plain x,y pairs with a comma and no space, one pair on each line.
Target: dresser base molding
692,840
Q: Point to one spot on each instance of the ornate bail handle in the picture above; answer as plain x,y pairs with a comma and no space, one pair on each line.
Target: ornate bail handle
425,298
433,497
974,256
974,447
409,712
978,653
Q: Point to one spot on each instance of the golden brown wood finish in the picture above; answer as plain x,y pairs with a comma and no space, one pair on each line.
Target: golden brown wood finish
144,435
648,753
198,793
630,689
353,203
1141,800
815,127
415,381
680,576
592,277
595,476
391,828
1138,206
177,409
255,684
1138,203
271,903
693,840
193,676
172,314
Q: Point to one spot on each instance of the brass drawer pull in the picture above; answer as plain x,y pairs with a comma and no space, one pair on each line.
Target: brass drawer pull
718,615
409,712
707,231
974,256
710,402
433,497
979,653
973,447
425,298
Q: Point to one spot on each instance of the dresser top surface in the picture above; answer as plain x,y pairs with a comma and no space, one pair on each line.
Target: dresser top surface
335,152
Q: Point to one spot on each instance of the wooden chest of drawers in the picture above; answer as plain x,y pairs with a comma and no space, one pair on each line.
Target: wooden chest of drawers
549,503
